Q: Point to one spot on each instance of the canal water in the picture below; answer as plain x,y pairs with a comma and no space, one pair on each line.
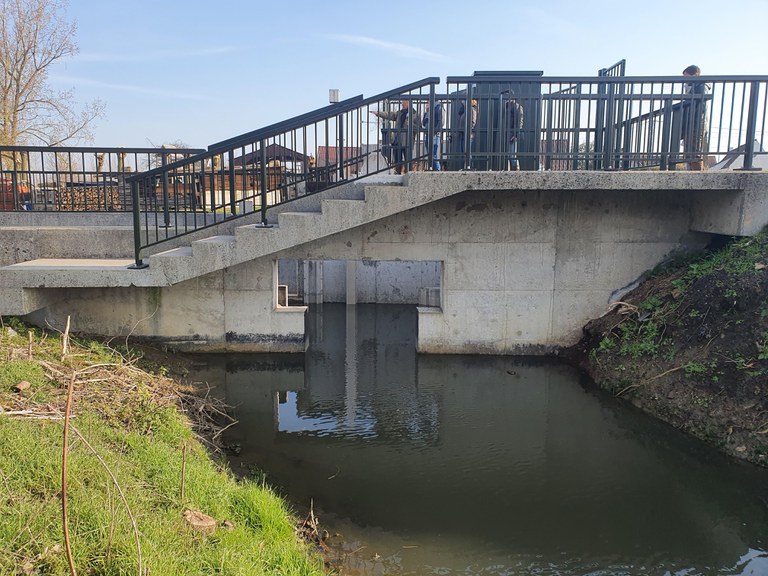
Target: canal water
482,465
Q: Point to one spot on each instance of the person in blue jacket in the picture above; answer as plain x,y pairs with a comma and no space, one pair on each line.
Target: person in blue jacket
436,119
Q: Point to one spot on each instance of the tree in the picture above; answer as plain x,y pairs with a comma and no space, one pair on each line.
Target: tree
34,36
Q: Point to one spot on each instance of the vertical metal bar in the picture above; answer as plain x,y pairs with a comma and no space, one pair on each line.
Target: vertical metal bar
548,136
138,263
340,155
749,147
666,135
231,180
166,213
431,128
263,180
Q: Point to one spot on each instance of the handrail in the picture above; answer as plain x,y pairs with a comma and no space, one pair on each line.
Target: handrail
236,176
519,120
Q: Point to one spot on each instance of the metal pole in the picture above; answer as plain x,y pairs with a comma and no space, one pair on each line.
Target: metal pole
137,225
231,180
263,181
166,213
749,145
431,128
340,155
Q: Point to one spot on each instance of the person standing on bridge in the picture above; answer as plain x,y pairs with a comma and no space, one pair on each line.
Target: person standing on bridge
693,127
436,119
403,136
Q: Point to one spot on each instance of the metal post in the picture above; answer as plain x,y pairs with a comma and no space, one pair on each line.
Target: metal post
666,135
431,128
340,155
231,180
263,181
166,213
749,145
137,226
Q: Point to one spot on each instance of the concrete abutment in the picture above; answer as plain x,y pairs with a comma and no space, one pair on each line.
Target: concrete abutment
517,262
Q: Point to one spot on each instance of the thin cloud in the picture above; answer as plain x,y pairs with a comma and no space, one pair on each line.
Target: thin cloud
403,50
156,55
130,88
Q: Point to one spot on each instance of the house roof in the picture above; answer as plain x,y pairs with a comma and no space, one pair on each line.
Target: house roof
273,152
327,155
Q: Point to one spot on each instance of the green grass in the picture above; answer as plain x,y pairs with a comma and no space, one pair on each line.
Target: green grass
145,443
643,333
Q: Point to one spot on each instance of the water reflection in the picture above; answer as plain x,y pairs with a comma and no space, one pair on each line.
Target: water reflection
493,465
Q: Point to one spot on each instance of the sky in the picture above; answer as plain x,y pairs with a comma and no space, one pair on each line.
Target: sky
201,72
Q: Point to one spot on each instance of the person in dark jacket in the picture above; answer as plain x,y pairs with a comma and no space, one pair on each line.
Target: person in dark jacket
436,119
403,136
693,129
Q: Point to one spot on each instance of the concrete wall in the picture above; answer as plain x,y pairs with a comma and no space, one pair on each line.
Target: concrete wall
522,272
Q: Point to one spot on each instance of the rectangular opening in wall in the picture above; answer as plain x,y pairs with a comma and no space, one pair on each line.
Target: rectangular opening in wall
361,282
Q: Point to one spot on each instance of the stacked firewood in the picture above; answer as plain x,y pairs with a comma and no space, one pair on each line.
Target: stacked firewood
90,198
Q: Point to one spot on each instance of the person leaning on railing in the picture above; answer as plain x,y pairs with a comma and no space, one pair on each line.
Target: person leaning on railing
403,137
694,120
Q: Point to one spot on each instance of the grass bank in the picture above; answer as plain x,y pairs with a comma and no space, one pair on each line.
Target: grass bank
143,494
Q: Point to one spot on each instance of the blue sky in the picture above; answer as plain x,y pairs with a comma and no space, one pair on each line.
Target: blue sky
201,72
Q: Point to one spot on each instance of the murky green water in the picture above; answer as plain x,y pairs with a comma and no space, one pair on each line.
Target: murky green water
483,465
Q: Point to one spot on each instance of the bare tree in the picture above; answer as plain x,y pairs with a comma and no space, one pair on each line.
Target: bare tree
34,35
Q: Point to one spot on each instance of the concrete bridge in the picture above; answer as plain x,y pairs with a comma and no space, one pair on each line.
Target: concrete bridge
498,262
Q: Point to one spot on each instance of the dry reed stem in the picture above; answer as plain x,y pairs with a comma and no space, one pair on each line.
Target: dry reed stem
65,341
67,409
119,491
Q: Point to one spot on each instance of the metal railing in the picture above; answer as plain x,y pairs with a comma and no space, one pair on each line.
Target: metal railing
522,121
609,122
75,179
324,148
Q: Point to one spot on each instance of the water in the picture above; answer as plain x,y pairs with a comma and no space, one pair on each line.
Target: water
483,465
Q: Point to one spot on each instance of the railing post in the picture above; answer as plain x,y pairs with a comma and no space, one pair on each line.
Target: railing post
166,212
610,129
749,145
467,127
548,137
666,135
231,180
431,152
15,186
138,263
263,180
340,155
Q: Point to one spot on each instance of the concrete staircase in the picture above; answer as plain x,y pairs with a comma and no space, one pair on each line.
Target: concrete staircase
309,219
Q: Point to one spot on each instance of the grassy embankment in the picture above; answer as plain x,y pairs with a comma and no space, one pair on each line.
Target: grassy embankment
134,468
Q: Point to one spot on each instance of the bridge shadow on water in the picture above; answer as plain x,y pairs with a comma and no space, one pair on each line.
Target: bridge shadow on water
493,465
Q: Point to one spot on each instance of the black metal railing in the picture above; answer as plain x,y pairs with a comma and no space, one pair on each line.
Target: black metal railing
487,121
324,148
75,179
608,123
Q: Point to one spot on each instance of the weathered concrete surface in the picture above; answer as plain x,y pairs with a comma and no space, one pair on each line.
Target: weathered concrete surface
527,258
